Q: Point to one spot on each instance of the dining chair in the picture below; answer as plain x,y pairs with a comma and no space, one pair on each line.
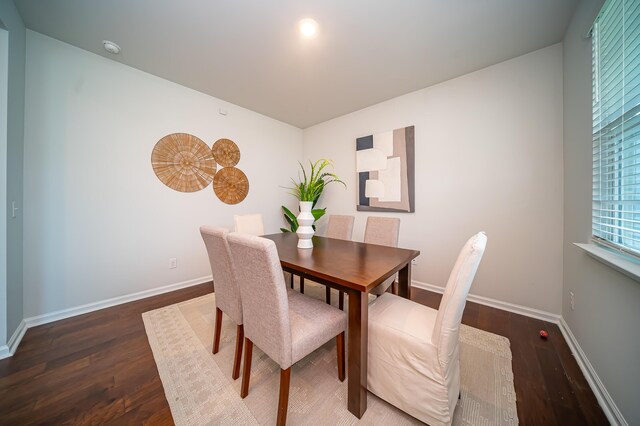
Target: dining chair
251,224
227,293
382,231
285,324
413,350
339,227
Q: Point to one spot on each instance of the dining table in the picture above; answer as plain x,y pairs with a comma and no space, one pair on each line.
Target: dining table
354,268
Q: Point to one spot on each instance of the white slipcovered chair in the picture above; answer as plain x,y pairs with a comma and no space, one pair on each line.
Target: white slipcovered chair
413,350
226,289
251,224
285,324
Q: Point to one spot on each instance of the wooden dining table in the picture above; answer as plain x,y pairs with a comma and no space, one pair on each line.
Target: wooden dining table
355,268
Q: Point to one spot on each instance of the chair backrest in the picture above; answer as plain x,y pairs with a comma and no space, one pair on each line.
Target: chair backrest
224,280
340,227
264,295
447,326
383,231
249,224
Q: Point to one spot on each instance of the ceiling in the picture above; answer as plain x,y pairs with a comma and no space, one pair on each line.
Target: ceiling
250,52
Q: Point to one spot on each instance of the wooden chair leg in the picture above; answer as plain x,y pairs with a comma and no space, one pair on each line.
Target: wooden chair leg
283,401
394,288
216,335
341,300
291,281
238,357
340,348
328,294
246,373
302,285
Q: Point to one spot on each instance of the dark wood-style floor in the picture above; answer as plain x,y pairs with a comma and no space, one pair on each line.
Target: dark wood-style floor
98,369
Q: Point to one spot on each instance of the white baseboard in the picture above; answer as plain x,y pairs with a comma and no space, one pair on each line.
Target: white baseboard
95,306
505,306
602,395
10,348
17,336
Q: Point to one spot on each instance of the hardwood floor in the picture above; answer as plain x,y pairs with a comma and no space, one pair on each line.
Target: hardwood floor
98,368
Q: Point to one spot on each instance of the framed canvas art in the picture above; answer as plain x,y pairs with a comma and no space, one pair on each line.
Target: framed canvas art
385,163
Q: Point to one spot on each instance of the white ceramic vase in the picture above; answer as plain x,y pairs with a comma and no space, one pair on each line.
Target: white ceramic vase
305,225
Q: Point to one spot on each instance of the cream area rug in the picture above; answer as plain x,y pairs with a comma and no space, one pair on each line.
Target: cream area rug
200,390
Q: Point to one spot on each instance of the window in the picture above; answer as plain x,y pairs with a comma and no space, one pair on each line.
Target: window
616,125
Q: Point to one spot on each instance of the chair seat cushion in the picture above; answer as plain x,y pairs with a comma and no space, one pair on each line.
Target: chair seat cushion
313,323
403,363
403,315
400,330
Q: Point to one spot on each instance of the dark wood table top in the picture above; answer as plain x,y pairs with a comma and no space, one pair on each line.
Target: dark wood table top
354,265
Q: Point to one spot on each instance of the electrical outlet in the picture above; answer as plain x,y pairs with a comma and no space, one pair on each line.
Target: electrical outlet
572,301
414,261
173,263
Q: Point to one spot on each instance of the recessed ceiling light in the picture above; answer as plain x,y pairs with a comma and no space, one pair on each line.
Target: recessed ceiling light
111,47
308,27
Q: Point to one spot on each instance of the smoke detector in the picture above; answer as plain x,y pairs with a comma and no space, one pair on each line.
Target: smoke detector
111,47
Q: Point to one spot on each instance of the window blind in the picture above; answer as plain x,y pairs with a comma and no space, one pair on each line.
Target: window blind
616,125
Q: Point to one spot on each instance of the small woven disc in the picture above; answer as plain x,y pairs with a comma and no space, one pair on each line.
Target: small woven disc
231,185
226,152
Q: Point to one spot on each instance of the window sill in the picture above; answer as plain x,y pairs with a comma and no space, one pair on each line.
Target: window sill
618,261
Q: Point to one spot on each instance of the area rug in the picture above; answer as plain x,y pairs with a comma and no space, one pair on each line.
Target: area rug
200,391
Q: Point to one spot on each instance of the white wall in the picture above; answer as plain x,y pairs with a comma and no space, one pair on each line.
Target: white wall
488,157
13,165
606,319
4,84
98,223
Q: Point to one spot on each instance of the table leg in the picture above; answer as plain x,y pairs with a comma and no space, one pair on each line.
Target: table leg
357,355
404,282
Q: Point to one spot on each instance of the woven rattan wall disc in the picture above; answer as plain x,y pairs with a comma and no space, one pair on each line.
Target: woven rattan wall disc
231,185
183,162
226,152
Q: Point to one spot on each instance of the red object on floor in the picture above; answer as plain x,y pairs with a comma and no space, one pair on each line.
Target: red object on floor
544,334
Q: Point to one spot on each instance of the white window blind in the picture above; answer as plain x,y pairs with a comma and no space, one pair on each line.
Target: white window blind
616,125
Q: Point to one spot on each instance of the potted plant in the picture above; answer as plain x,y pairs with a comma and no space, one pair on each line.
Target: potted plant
307,189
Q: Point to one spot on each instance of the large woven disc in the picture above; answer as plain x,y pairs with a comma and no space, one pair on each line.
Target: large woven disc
226,152
231,185
183,162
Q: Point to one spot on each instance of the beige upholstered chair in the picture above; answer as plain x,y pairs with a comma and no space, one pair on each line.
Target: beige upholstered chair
413,350
226,289
249,224
285,324
339,227
252,224
383,231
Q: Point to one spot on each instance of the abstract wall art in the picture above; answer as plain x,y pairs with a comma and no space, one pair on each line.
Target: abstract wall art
385,163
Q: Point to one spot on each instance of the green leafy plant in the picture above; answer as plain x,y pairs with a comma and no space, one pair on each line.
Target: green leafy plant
309,187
